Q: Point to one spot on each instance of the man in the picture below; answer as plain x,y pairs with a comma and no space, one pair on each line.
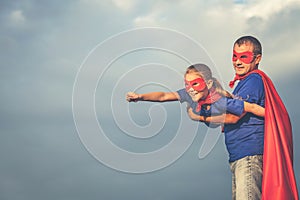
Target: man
260,149
245,139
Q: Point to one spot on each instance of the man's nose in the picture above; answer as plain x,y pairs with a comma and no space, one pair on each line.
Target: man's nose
238,61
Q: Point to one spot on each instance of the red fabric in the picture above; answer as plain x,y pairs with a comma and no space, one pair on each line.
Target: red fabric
236,78
278,175
212,97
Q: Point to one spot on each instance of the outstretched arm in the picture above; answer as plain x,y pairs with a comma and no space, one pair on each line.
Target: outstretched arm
152,96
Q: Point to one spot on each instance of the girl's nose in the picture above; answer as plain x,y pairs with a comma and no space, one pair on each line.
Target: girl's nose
191,89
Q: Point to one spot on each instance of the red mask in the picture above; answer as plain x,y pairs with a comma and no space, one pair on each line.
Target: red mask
197,84
246,57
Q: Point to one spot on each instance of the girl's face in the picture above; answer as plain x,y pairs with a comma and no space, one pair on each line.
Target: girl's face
196,87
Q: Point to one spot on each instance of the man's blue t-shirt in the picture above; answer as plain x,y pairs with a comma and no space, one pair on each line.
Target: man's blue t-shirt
246,137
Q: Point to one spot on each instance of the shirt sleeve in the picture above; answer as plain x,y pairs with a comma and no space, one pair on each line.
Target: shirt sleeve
228,105
235,106
184,96
251,90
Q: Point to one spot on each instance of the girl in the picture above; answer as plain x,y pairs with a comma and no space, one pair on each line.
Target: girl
205,98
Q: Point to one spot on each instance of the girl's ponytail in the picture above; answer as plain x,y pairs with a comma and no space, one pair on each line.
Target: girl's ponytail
217,85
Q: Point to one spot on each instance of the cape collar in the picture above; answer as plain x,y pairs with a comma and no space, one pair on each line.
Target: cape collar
239,77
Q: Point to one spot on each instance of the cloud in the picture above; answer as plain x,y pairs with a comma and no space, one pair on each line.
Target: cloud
149,20
125,5
43,44
17,17
217,25
265,9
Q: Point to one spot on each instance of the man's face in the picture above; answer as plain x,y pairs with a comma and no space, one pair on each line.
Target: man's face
195,87
243,59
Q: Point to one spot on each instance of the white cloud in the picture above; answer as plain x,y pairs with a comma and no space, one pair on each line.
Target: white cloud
148,20
218,24
153,17
125,5
264,9
59,39
17,17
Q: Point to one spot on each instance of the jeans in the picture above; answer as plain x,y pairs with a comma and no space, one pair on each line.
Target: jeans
247,178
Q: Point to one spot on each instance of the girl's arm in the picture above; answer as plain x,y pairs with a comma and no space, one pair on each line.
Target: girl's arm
152,96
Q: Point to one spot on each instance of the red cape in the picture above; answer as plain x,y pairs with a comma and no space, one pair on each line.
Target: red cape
278,175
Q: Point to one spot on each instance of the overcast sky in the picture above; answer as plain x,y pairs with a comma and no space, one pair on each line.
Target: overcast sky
47,46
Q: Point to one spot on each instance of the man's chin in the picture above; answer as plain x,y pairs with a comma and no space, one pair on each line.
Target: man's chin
241,72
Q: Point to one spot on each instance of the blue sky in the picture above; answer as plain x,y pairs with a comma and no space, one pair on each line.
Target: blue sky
45,44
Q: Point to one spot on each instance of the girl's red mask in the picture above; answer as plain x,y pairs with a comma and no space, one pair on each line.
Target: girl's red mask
246,57
197,84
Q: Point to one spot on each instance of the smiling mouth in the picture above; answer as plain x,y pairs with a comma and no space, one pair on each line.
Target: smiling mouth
193,93
239,66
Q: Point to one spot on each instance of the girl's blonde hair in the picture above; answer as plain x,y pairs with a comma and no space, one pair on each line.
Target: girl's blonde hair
204,72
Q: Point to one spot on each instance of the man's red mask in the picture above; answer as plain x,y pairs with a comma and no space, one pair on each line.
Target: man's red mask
197,84
246,57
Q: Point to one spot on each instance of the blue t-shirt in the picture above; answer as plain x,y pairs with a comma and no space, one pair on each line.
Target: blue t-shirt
246,137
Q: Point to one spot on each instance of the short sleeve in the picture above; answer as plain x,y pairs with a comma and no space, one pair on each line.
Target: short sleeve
229,105
251,89
184,96
235,106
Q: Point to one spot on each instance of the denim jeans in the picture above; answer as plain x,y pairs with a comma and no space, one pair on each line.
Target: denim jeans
247,178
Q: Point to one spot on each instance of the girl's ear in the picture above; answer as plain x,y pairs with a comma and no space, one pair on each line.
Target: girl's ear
209,83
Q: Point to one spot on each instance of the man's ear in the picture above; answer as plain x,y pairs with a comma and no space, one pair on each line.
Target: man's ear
209,83
258,59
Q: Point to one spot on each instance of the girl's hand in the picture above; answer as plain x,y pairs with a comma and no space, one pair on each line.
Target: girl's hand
192,115
132,97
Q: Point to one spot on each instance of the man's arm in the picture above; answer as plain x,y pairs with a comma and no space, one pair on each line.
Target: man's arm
225,118
228,118
254,108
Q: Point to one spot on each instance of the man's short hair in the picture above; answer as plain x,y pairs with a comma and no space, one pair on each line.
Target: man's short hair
257,49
